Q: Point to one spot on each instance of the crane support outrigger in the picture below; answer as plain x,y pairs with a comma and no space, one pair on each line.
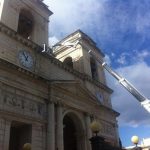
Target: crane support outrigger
145,102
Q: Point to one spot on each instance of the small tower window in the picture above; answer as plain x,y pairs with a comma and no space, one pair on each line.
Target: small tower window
93,69
25,24
68,62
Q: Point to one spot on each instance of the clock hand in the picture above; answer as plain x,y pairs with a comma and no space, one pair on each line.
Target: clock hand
26,57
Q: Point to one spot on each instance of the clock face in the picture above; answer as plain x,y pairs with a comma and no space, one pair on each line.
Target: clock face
25,59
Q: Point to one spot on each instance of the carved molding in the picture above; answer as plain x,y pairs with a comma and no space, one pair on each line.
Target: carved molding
14,103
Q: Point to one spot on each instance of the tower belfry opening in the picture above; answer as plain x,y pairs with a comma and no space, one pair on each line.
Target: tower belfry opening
68,61
25,24
93,68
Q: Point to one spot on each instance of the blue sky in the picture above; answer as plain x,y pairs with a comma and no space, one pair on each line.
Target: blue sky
121,29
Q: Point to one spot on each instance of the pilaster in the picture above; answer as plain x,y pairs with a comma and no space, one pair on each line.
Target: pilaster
51,127
59,130
5,126
88,131
117,133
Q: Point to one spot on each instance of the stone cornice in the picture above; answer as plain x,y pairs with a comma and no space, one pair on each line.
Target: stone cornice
19,69
28,43
13,34
84,38
110,110
44,6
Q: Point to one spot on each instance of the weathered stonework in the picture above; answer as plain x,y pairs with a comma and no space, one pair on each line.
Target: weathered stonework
37,103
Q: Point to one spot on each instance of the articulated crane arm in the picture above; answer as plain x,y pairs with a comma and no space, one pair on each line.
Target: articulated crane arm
145,102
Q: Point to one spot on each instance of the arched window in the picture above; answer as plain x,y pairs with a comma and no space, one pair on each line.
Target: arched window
68,62
25,24
93,69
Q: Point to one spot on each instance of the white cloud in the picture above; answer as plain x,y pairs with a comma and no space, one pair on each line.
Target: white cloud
113,54
132,113
122,59
71,15
132,57
52,40
142,22
142,55
98,18
107,59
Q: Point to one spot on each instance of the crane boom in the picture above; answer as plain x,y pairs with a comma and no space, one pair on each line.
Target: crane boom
145,102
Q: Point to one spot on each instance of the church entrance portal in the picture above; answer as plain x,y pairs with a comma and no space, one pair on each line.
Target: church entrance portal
73,133
20,134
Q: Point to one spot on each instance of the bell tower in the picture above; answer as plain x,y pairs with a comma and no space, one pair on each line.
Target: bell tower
73,51
29,18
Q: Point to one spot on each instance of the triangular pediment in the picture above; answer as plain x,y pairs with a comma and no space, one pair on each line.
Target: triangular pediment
77,90
74,94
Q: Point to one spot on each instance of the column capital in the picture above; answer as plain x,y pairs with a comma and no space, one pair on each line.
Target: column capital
60,103
87,114
50,101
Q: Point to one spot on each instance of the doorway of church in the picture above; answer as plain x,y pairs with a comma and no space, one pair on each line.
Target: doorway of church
20,133
73,133
70,139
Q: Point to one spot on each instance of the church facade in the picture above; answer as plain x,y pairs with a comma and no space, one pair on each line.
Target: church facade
49,98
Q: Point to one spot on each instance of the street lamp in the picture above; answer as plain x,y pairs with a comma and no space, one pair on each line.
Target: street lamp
95,127
27,146
97,142
135,140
